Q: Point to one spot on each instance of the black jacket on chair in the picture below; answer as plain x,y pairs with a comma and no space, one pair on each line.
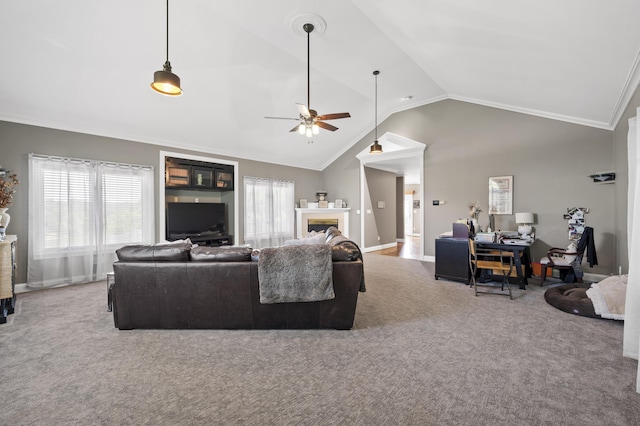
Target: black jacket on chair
588,246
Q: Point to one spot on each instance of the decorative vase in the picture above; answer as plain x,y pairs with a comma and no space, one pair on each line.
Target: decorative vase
4,217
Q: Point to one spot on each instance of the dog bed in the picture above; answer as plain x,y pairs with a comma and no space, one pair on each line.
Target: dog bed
571,298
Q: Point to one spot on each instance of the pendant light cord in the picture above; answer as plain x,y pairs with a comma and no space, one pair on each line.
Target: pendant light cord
167,30
375,73
308,69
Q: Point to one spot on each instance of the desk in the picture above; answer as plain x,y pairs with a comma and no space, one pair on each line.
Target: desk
518,250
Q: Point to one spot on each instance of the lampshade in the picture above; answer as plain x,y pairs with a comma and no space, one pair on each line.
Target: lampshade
166,82
524,217
376,148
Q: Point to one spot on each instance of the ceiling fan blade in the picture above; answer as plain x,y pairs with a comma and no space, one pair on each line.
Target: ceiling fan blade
282,118
295,129
326,126
303,110
334,116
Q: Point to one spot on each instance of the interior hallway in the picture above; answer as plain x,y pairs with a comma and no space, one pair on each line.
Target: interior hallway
409,249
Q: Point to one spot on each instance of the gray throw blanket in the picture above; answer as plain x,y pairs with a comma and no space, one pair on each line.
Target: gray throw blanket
302,273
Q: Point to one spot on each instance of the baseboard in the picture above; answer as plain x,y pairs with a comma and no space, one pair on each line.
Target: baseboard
429,258
22,288
380,247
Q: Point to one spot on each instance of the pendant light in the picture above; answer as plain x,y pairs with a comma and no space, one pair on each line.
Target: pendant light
165,81
376,148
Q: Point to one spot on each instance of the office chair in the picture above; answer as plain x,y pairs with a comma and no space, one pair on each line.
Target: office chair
493,261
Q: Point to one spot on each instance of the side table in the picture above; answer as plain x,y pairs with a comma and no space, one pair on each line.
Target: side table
7,276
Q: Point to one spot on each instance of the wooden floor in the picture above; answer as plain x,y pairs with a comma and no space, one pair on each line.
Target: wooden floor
409,249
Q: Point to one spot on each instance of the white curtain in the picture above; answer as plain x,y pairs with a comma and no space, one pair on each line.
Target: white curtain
631,344
80,212
268,212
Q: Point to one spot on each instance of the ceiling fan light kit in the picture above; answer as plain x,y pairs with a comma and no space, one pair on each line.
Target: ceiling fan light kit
165,81
376,148
310,122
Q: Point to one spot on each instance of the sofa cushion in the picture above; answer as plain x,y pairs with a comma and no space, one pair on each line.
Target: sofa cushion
221,254
157,253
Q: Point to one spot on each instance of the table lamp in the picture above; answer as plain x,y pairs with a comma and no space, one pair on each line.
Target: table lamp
524,221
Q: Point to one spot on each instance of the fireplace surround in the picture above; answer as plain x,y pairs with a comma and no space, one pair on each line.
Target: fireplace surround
339,216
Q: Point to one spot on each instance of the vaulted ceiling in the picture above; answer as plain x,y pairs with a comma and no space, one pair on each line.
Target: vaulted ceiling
86,66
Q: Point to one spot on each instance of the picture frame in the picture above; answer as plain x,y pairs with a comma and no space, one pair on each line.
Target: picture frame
303,203
338,203
500,195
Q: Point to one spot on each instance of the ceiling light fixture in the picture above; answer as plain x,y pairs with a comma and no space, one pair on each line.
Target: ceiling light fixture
376,148
165,81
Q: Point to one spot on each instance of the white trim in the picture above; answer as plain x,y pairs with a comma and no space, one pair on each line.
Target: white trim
380,247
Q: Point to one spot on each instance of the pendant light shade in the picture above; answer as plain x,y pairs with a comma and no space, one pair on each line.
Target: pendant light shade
376,148
165,81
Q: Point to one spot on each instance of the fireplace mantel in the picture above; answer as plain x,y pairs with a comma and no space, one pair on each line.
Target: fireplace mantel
303,216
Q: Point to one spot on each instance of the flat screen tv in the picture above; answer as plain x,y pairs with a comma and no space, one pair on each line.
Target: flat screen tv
193,219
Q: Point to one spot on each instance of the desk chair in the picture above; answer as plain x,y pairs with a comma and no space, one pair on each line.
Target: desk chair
494,261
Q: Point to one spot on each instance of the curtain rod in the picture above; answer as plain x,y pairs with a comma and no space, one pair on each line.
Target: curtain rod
81,160
270,179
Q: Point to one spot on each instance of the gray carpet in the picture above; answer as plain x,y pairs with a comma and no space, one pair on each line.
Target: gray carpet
423,352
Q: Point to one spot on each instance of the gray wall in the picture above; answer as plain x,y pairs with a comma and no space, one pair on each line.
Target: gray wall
381,187
467,143
18,140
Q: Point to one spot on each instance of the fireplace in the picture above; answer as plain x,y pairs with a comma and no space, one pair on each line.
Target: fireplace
319,219
320,225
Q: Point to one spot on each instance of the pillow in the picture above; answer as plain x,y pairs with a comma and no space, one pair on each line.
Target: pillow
316,239
332,231
165,243
221,254
573,247
255,255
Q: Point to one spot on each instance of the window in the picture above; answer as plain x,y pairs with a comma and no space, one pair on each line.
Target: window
269,208
81,211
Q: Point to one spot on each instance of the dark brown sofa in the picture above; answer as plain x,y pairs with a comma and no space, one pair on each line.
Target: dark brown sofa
177,287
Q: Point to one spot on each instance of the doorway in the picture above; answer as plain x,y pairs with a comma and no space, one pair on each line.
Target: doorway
405,157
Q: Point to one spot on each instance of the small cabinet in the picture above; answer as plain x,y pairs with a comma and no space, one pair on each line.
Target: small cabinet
178,176
224,180
199,175
452,259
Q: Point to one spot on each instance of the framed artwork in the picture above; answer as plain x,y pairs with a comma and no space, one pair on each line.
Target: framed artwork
501,195
338,203
303,203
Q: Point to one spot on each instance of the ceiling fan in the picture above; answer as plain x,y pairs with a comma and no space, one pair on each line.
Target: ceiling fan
310,121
